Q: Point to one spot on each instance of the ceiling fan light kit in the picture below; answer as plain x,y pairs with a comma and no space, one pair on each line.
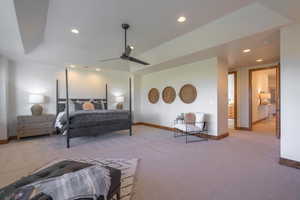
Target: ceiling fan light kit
127,50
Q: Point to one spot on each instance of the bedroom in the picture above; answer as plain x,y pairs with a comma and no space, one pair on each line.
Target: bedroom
188,49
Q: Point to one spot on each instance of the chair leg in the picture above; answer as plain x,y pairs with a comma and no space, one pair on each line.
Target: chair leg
186,138
68,142
175,133
130,131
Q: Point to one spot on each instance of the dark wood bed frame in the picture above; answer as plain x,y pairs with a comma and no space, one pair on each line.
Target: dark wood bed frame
71,133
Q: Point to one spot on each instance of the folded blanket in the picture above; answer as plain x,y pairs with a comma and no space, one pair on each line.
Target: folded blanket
90,182
87,183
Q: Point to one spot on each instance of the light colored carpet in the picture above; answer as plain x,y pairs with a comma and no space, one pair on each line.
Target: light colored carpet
242,166
267,126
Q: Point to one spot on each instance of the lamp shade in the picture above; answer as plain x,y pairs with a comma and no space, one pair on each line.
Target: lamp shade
120,99
36,98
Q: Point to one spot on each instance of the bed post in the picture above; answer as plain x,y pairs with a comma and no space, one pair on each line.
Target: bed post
130,109
67,107
106,96
57,99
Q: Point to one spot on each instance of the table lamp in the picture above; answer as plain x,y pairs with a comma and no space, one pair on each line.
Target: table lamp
120,100
36,100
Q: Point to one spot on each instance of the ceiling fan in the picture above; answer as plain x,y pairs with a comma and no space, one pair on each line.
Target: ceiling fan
127,51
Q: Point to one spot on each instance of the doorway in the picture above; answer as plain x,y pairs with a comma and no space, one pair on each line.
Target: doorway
232,100
264,96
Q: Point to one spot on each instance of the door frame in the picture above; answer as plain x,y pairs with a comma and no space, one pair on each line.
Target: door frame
277,67
235,97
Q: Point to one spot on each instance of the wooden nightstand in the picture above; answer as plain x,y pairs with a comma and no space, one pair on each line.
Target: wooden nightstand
35,125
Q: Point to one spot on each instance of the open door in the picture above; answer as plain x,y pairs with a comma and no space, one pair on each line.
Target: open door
278,131
232,100
256,89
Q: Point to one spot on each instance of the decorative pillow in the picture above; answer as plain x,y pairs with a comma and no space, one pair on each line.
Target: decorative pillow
62,106
78,106
88,106
104,105
98,105
71,106
190,118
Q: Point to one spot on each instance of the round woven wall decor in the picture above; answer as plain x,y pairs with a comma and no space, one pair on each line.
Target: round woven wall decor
188,93
169,95
153,95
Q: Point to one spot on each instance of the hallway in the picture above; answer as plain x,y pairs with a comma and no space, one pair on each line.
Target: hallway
267,126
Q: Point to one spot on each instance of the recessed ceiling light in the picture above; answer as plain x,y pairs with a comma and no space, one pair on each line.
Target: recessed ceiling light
72,66
98,69
75,31
181,19
246,50
259,60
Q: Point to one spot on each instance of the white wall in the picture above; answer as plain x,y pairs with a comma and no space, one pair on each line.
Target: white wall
222,96
290,92
243,93
136,80
30,77
203,75
91,84
3,97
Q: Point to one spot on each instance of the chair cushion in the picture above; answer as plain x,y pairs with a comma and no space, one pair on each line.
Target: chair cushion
200,117
189,127
190,118
200,125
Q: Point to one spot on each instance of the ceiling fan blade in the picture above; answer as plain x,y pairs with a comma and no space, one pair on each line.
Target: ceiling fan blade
127,51
109,59
132,59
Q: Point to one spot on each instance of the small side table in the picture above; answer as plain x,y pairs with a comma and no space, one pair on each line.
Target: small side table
28,125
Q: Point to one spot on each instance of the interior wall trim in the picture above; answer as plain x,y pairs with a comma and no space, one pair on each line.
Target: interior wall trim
243,128
7,140
213,137
3,141
260,120
289,163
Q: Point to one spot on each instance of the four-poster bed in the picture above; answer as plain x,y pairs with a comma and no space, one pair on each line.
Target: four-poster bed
90,122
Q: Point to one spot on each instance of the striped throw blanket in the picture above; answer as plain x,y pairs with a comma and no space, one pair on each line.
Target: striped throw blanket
90,182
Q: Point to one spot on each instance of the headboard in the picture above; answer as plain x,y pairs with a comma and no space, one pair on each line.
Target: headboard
61,102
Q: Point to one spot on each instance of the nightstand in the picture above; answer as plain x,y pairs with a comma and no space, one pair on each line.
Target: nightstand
35,125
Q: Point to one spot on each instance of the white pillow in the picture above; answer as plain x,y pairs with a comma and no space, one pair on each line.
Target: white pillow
71,106
200,117
103,105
